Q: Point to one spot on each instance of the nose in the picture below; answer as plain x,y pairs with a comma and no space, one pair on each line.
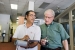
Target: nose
34,17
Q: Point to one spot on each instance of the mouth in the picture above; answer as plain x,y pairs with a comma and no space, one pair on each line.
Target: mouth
46,21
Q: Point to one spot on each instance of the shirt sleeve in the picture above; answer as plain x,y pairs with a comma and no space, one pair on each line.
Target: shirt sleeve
16,32
63,33
38,34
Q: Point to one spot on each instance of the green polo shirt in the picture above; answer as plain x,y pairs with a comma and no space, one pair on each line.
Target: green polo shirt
55,34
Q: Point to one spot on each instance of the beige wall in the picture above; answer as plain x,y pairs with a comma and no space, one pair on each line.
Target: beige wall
21,20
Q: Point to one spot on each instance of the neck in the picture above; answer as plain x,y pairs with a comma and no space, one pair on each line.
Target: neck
28,24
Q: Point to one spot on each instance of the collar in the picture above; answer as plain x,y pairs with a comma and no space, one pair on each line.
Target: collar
26,26
50,24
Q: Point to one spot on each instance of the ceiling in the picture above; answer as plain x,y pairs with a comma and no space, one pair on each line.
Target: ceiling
39,7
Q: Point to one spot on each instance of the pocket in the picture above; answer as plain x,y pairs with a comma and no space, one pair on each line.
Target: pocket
31,35
56,30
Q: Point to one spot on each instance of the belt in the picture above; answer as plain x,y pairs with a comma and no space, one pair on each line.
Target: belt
59,48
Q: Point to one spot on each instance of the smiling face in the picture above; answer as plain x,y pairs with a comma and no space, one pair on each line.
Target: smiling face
49,17
30,17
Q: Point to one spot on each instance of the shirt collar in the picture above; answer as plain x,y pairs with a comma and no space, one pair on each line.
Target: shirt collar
50,24
32,25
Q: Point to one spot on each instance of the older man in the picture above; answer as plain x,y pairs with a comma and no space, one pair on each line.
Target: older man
52,33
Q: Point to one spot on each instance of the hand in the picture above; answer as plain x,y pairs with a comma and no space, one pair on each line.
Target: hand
43,41
26,37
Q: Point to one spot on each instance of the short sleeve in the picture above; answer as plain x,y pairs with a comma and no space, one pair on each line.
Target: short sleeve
63,33
16,32
38,34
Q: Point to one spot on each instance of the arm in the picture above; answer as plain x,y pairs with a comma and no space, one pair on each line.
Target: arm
65,44
64,37
26,37
14,39
32,44
15,36
37,36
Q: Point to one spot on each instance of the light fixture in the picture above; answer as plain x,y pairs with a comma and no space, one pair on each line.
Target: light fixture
14,6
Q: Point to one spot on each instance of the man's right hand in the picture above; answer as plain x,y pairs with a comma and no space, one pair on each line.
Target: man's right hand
26,37
43,41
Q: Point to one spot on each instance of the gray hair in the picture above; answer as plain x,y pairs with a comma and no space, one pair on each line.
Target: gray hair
50,10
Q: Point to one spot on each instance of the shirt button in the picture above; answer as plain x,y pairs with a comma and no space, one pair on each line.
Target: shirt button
48,27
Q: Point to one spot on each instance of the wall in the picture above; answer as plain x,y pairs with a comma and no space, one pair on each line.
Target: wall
14,25
21,20
4,22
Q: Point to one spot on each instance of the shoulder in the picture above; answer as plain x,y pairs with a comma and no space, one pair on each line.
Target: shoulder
42,25
36,26
57,24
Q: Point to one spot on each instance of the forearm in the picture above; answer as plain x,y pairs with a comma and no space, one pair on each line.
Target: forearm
32,44
65,44
14,39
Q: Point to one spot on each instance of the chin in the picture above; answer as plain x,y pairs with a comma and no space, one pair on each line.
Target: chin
32,22
47,23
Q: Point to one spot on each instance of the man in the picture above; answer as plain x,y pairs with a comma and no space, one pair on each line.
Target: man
53,34
28,31
11,34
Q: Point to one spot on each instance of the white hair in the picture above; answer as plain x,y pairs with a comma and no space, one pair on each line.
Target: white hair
50,10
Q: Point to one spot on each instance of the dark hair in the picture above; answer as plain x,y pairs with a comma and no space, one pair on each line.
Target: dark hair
27,13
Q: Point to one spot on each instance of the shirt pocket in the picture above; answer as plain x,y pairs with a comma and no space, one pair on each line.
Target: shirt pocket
31,35
56,30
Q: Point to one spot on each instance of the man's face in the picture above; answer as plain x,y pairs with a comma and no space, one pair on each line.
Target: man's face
31,17
48,17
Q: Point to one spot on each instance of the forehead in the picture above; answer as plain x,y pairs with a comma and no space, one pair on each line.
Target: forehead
31,13
49,14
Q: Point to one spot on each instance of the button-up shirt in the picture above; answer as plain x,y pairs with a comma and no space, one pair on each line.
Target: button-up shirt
55,34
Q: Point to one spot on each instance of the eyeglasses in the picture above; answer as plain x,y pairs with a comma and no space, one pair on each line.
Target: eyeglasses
32,15
49,17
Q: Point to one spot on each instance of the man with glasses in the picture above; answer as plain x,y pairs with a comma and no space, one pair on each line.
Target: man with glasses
53,35
28,31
